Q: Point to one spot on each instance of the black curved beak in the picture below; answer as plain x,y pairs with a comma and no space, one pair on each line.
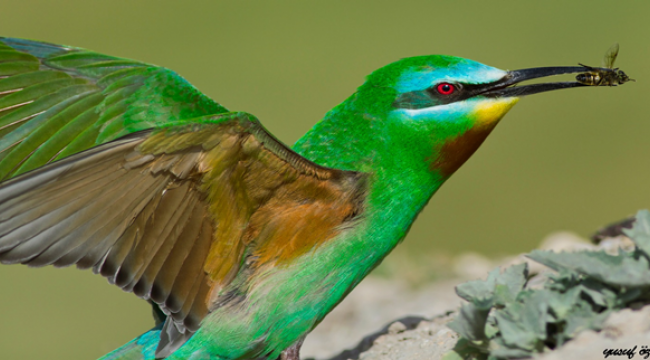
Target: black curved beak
505,86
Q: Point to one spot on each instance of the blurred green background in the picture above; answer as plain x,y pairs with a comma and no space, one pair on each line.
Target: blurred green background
567,160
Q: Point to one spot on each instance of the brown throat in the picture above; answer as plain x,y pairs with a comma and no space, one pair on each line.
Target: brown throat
453,153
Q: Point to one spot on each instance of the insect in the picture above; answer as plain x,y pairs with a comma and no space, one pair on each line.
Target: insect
606,75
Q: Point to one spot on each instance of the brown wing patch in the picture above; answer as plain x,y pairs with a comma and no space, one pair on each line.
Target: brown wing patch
287,226
263,195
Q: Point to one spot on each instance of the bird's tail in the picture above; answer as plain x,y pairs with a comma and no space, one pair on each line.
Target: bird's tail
141,348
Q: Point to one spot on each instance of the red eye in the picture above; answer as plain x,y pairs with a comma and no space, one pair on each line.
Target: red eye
446,88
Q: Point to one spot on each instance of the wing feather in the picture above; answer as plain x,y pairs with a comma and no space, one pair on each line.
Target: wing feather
43,85
108,226
162,285
185,285
171,237
112,263
169,214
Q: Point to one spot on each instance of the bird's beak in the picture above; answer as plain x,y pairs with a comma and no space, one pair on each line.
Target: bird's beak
505,87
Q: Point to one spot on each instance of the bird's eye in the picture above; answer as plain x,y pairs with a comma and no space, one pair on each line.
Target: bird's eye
446,88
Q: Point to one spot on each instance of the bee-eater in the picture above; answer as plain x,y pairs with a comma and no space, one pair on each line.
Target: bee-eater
241,243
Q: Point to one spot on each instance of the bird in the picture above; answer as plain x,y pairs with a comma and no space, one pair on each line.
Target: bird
241,244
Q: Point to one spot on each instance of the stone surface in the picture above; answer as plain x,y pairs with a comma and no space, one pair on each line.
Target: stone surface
375,304
429,340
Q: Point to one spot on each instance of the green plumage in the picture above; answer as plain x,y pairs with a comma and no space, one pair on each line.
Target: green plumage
77,99
243,243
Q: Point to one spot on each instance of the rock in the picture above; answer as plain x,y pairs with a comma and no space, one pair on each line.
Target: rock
565,241
396,328
429,340
472,266
372,305
613,245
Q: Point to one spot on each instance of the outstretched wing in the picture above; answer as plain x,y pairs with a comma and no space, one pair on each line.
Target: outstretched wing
58,100
171,214
610,56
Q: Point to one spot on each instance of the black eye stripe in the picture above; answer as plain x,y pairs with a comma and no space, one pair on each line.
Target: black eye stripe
432,97
433,91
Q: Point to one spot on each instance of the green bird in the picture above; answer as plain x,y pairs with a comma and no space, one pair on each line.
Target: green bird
242,244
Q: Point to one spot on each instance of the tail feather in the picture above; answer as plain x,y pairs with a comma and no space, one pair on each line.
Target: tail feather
141,348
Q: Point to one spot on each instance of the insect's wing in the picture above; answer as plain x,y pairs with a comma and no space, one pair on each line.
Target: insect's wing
610,56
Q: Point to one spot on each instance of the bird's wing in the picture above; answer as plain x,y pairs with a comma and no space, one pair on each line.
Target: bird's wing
58,100
174,214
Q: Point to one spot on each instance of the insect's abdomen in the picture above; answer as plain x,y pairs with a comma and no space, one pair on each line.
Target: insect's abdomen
588,79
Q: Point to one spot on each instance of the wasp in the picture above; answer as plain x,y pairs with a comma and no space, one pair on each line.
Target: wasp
606,75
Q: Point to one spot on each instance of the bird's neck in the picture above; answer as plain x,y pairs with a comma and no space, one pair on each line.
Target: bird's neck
399,162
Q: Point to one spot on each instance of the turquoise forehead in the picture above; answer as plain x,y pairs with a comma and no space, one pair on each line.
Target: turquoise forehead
418,73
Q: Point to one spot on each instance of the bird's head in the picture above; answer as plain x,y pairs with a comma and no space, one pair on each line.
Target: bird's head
438,109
